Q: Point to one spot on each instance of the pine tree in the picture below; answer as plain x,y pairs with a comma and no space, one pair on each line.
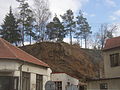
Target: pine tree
10,30
26,20
55,30
29,27
83,28
69,23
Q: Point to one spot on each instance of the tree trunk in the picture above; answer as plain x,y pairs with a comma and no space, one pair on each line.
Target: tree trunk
42,34
23,36
23,27
85,42
39,36
70,38
81,41
30,38
16,44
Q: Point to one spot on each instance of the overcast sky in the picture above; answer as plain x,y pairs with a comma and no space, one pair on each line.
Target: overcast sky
96,11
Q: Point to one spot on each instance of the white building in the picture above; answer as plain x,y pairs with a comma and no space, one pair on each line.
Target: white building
62,80
21,71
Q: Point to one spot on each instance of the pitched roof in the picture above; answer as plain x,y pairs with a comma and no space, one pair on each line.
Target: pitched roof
112,43
8,51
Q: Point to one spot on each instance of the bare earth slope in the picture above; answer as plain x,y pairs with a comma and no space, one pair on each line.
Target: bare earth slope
62,57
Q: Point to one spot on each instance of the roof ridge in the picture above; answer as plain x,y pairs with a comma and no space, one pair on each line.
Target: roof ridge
4,42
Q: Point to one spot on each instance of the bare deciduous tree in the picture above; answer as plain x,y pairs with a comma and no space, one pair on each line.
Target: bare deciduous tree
106,31
42,14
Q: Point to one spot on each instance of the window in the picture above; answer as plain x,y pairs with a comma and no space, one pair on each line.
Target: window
68,83
25,81
39,82
58,85
114,59
103,86
8,83
5,83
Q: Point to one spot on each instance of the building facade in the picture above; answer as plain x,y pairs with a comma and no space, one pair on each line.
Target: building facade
111,81
62,80
21,71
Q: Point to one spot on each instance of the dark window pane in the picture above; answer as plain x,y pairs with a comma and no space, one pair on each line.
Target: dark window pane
58,85
103,86
4,83
114,59
25,81
8,83
39,82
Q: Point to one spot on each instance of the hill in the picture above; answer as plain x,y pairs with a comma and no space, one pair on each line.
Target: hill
62,57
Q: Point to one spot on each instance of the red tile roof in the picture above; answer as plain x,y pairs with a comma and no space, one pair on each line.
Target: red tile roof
112,43
9,51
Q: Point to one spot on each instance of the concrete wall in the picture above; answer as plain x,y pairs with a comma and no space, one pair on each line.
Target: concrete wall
11,68
113,84
64,78
8,65
33,69
111,72
33,81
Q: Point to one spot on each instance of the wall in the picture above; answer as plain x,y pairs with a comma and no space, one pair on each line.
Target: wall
113,84
110,72
11,68
33,69
8,65
64,78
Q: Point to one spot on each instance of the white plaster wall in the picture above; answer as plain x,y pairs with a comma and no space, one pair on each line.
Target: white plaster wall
12,65
72,80
33,69
64,78
59,77
16,73
113,84
49,71
11,68
32,81
45,79
8,65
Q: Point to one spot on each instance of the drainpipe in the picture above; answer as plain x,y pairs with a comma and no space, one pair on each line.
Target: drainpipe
20,68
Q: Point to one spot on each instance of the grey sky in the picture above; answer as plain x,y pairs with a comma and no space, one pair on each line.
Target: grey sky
56,6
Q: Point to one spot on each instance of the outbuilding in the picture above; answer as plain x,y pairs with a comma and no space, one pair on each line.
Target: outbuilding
63,80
